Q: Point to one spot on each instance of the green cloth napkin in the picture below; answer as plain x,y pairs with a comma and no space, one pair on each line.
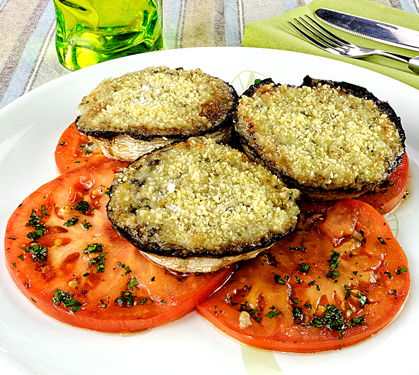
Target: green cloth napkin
276,33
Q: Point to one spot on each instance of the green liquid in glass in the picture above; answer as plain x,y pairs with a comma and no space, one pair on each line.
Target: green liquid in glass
92,31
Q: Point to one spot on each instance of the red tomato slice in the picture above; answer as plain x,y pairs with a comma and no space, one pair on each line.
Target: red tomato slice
334,283
64,255
75,149
387,196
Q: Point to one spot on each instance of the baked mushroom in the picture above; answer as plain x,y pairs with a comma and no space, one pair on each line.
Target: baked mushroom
198,206
330,140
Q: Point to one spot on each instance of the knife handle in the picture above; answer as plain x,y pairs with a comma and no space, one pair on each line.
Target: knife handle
412,62
395,56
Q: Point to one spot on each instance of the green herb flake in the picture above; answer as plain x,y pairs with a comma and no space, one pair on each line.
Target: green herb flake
126,299
274,313
297,313
133,282
100,262
86,225
363,300
35,221
66,299
332,320
348,291
93,248
127,269
333,274
303,267
70,222
358,321
82,206
38,252
334,260
278,279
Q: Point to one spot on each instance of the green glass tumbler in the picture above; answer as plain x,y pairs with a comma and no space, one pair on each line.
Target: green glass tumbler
92,31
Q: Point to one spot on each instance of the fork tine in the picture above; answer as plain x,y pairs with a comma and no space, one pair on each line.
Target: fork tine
323,34
330,33
317,34
311,39
317,41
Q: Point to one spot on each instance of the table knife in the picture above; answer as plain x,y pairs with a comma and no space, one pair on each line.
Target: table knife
370,29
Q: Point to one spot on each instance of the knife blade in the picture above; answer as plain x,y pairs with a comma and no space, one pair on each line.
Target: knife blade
371,29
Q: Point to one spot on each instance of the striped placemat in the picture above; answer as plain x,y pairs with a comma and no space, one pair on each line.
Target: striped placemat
27,33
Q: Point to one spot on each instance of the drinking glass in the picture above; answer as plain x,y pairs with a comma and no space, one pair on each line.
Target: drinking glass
92,31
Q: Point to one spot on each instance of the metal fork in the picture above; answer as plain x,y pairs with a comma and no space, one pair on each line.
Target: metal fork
324,39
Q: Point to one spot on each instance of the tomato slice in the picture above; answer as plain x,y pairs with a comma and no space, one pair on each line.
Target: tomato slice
75,149
387,196
335,282
64,255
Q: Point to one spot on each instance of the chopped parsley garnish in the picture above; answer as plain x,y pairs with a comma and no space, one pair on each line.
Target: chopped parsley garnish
333,274
82,206
362,299
401,270
297,313
126,268
304,268
39,253
70,222
86,225
35,222
99,260
126,299
334,260
274,313
333,264
348,291
66,299
133,282
278,279
36,234
333,320
93,248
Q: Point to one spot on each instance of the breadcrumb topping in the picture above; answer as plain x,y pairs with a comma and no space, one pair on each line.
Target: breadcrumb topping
200,195
320,136
157,100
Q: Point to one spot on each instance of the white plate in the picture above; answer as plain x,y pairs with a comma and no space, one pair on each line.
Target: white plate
33,343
